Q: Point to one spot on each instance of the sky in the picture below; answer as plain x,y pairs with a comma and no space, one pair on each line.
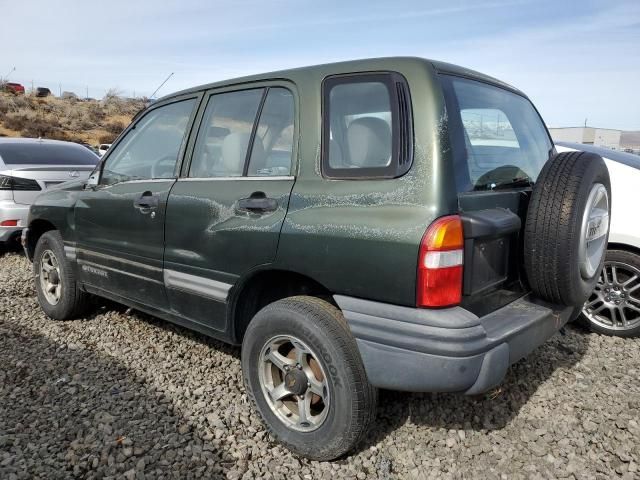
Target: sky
577,60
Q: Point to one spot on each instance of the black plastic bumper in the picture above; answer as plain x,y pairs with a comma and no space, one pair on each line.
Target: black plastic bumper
447,350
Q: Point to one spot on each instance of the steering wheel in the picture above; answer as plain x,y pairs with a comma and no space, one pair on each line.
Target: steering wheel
162,166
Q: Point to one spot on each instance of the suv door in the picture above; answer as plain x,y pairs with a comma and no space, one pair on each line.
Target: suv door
120,221
225,213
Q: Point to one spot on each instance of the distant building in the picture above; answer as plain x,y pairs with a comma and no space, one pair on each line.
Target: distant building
630,142
603,137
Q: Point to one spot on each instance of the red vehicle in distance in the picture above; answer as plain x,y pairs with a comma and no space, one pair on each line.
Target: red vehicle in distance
14,88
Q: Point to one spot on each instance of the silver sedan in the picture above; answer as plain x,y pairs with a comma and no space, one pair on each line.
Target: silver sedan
27,167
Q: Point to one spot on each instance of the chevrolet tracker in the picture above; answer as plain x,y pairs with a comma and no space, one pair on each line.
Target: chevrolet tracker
392,223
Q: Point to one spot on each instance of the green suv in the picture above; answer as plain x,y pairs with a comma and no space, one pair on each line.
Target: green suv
392,223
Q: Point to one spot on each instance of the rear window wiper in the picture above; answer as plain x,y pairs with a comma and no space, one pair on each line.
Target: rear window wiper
514,183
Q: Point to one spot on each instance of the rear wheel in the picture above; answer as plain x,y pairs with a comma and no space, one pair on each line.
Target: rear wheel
304,374
58,294
614,306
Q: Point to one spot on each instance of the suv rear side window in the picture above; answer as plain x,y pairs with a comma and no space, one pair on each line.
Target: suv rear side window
499,140
225,134
273,143
366,126
229,129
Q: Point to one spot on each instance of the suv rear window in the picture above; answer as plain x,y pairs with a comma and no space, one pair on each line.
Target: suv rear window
499,139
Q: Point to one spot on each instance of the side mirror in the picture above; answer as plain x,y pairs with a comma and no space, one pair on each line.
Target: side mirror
94,178
92,181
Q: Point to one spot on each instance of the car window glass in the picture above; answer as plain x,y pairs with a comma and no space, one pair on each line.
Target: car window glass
502,140
488,127
360,125
223,139
273,144
150,149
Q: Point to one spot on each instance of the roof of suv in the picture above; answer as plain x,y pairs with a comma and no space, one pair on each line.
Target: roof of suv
363,65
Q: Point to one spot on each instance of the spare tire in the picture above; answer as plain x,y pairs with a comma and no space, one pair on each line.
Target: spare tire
567,227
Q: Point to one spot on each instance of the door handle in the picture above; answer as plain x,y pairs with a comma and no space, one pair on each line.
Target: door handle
258,202
146,202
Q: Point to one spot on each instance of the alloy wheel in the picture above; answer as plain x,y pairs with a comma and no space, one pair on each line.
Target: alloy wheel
50,278
615,301
294,383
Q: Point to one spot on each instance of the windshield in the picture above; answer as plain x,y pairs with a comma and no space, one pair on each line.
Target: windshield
498,138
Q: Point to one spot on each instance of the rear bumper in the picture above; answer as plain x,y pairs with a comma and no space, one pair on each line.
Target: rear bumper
10,210
447,350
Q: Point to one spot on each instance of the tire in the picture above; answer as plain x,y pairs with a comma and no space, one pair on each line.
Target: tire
348,405
563,249
72,302
614,306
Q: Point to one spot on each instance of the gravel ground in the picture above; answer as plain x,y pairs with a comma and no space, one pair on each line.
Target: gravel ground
124,395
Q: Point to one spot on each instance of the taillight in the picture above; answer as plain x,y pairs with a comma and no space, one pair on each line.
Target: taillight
17,183
440,264
9,223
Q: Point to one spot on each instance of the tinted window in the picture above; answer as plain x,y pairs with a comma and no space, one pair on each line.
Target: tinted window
273,143
225,133
499,138
45,153
150,149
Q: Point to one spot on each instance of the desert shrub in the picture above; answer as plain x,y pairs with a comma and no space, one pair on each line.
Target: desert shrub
53,117
107,138
95,112
115,127
16,121
39,128
78,120
11,103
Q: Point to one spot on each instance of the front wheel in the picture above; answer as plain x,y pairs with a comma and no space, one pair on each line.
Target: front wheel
58,294
614,305
304,374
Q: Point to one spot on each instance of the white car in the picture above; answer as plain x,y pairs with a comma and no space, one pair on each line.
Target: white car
102,148
614,306
27,167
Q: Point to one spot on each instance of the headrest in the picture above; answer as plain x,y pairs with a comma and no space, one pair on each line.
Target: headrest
369,142
234,150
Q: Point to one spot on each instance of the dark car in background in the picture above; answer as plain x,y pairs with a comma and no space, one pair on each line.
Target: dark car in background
42,92
27,167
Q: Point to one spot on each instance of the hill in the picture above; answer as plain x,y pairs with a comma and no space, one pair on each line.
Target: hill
71,119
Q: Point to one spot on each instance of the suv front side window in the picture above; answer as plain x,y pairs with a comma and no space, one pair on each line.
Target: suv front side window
151,147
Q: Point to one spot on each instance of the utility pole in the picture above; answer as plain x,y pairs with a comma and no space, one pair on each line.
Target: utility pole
585,122
87,97
165,81
59,89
